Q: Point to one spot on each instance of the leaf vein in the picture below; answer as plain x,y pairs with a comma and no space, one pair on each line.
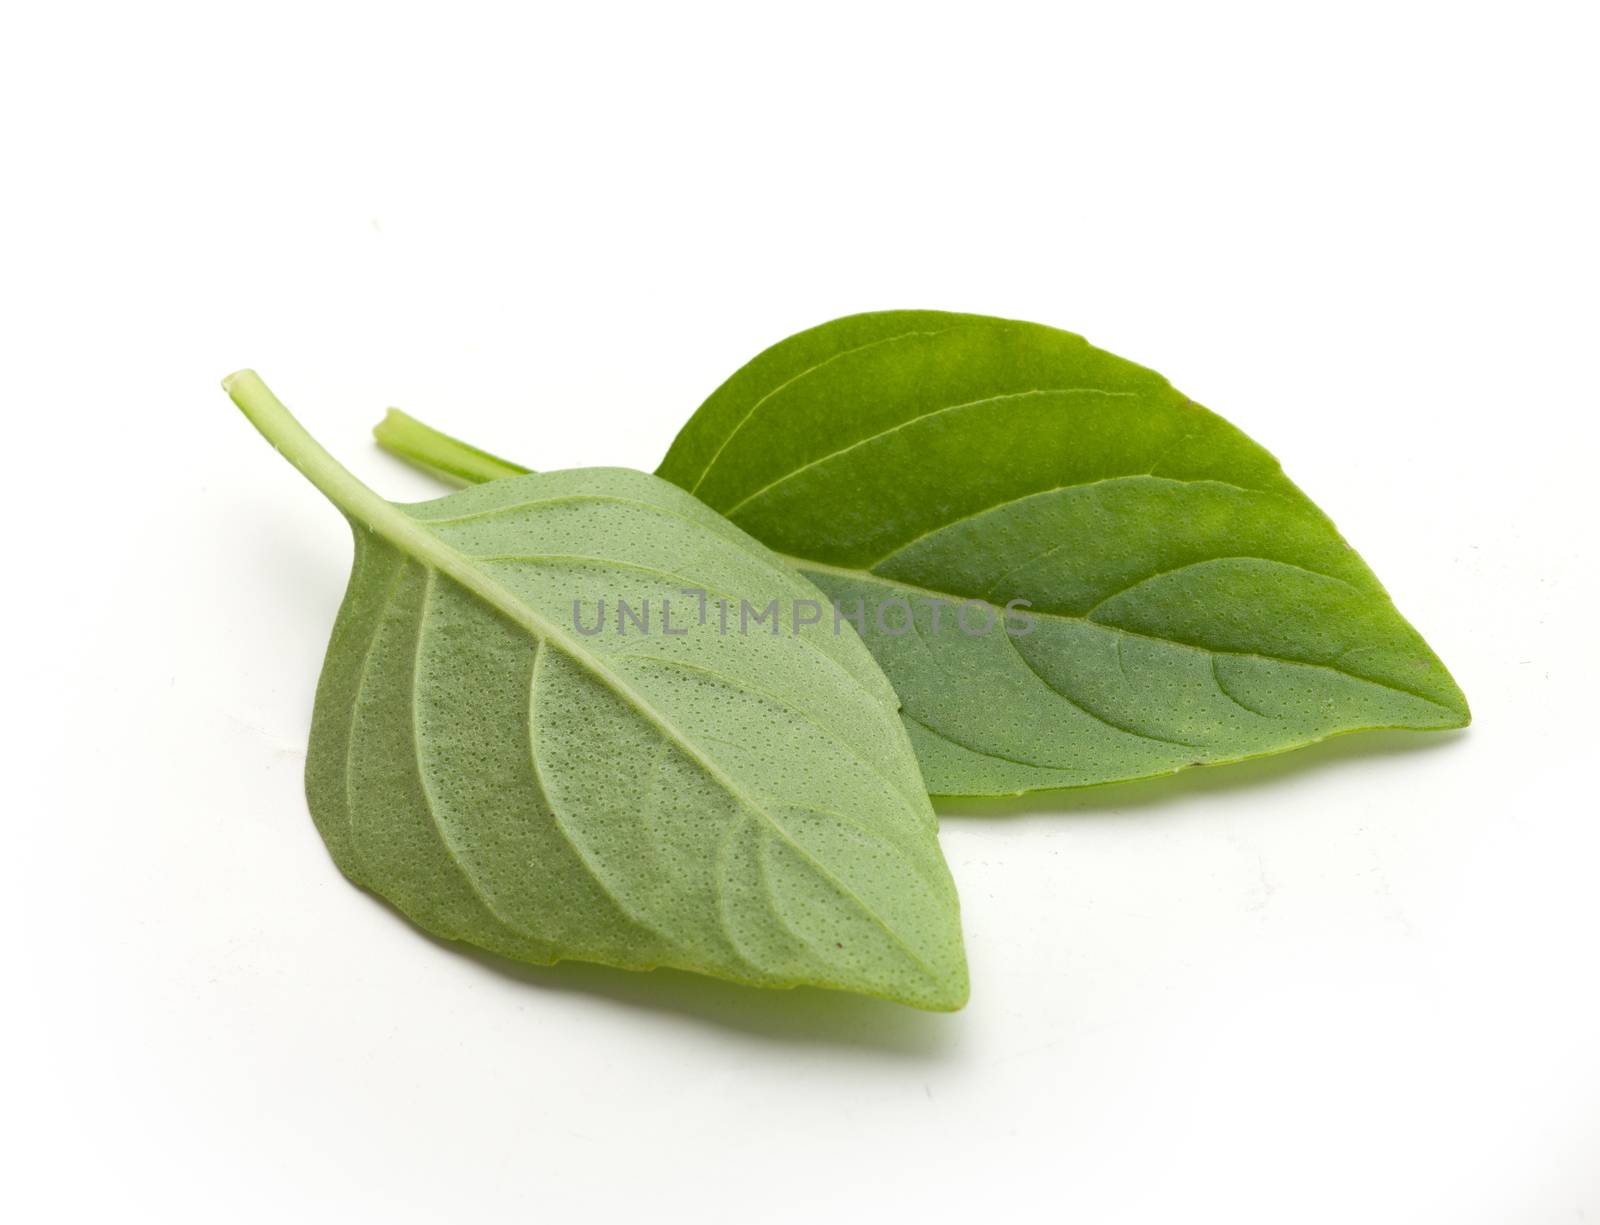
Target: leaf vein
1093,714
571,839
970,516
429,803
790,382
1088,613
831,734
1222,687
867,576
359,695
916,420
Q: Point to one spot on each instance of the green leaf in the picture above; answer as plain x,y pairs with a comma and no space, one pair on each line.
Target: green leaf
1190,605
741,805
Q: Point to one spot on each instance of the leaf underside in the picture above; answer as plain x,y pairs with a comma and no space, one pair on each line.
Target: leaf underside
745,806
1189,604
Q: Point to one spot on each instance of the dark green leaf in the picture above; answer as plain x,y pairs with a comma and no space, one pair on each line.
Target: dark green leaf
1191,604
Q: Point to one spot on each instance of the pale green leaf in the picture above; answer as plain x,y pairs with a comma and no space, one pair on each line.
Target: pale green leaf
741,805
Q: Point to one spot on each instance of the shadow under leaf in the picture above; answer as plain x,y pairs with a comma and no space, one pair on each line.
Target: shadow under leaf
799,1015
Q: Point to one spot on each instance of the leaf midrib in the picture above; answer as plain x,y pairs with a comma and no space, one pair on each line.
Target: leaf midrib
805,565
410,537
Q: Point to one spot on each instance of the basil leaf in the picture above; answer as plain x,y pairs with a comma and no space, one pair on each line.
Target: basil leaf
1189,604
744,805
1186,603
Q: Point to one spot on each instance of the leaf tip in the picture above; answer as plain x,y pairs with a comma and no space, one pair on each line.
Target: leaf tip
941,987
951,997
1454,700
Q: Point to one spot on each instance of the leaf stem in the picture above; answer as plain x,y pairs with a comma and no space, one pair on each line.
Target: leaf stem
366,509
341,487
403,435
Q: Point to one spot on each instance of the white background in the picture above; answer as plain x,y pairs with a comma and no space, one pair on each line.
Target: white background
1353,983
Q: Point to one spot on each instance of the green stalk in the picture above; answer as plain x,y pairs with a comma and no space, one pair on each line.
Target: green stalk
341,487
403,435
279,427
367,509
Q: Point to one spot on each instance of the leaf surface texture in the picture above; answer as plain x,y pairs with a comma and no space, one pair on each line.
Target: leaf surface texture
1189,604
741,805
